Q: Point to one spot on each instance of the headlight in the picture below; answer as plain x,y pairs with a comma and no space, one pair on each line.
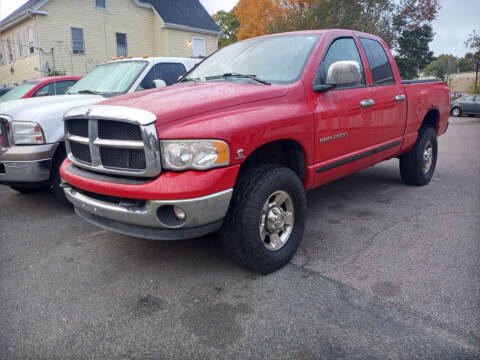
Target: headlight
27,133
194,154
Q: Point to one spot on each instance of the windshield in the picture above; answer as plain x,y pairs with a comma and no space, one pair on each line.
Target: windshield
18,92
277,60
112,78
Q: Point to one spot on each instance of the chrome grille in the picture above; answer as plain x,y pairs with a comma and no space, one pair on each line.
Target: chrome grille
5,134
114,140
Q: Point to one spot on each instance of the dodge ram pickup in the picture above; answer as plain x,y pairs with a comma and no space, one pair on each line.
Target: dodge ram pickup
233,146
31,130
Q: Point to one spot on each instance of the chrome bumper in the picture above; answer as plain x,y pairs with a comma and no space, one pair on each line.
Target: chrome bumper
203,214
26,164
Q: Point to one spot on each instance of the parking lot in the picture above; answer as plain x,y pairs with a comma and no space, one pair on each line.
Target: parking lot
384,271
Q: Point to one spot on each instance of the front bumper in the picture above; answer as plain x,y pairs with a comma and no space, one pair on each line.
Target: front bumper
152,219
26,164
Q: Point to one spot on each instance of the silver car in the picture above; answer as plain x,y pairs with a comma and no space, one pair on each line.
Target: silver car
466,105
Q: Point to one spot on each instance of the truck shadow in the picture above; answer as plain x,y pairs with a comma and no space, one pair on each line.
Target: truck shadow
351,197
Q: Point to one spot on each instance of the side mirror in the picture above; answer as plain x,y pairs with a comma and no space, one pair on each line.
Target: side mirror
344,73
159,83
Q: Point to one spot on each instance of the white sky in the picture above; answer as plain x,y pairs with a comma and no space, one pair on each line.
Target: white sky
456,20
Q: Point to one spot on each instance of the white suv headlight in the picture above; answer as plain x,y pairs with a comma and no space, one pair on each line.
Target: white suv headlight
27,133
194,154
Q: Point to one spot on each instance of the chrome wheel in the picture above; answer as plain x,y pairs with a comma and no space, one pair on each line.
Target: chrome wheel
276,220
427,157
456,111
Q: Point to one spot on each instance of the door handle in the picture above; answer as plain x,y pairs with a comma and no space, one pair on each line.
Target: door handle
400,98
367,103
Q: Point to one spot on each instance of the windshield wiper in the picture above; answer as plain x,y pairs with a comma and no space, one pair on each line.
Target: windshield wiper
88,92
187,79
240,76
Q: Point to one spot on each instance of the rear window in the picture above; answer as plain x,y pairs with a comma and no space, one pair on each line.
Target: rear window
378,61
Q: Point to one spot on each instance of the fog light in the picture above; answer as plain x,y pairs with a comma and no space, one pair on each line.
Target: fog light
179,213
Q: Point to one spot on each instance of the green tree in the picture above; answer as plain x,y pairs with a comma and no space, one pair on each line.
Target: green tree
443,67
467,63
413,52
228,23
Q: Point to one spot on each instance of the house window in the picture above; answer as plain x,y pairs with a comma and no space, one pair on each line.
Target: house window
78,46
21,44
2,57
10,49
100,4
31,40
122,49
198,46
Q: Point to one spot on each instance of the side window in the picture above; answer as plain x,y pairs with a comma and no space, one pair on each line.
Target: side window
31,40
122,49
46,90
100,4
2,57
168,72
378,61
62,86
78,45
10,49
340,50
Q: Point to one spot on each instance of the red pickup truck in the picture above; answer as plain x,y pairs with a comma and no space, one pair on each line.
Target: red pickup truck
234,145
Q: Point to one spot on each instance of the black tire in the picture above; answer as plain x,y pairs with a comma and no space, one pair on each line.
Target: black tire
28,189
241,237
412,163
56,180
456,111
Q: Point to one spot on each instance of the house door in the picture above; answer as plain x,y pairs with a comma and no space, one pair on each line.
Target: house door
198,45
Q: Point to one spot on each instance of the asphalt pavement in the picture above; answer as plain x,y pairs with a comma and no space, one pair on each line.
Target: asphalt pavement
385,270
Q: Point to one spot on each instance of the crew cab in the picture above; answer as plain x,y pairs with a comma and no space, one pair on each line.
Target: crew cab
47,86
31,130
236,143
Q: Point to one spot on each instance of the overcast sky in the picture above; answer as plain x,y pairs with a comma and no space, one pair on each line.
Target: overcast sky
456,20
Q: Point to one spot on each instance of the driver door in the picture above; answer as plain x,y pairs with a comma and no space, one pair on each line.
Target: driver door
339,116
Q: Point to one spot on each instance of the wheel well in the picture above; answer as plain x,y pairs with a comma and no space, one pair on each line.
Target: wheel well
431,119
287,153
59,151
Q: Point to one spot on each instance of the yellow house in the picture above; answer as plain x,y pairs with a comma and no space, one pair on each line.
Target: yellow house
73,36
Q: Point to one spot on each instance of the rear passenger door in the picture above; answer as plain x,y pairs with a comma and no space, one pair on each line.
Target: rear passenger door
387,116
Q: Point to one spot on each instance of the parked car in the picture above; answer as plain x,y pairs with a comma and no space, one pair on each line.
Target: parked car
466,105
47,86
4,90
236,143
31,143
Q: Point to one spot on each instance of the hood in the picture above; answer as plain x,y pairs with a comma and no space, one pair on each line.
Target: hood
188,99
47,111
37,108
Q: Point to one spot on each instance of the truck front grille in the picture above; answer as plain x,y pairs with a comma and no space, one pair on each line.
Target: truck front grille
123,158
118,130
121,147
81,152
5,134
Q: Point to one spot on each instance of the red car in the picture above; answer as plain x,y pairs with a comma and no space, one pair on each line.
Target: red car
235,144
47,86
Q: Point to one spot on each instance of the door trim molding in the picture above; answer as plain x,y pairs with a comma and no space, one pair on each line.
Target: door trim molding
358,156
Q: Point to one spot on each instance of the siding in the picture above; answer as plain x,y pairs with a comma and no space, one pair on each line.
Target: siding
179,40
99,28
23,68
145,31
